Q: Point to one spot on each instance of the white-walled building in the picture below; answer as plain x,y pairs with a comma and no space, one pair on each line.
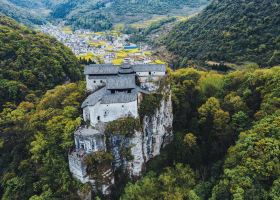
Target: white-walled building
97,75
115,93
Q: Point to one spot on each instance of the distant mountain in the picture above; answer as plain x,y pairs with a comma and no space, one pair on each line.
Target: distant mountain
103,14
27,11
229,30
20,13
31,62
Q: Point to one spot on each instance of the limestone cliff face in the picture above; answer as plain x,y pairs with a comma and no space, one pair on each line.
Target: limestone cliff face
144,145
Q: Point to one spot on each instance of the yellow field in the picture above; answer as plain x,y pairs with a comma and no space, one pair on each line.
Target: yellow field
67,30
118,61
88,56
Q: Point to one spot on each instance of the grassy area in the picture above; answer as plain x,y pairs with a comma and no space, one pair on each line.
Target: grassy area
67,30
159,62
118,61
97,44
88,56
147,23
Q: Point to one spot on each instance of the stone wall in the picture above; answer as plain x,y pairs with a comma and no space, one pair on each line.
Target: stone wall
111,112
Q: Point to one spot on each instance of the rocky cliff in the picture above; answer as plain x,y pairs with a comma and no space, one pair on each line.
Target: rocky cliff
156,134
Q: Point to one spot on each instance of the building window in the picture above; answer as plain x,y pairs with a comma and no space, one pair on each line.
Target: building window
123,106
113,91
129,91
101,81
94,81
150,73
82,146
98,118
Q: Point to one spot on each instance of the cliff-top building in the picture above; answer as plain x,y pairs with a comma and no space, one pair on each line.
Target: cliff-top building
116,92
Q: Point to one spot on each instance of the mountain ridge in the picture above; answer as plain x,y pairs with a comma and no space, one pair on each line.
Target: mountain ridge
229,31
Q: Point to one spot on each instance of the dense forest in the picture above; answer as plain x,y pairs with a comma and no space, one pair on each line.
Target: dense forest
226,143
234,31
31,63
226,126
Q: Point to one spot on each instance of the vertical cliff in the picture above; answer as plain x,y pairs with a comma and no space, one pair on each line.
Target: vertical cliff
132,151
156,133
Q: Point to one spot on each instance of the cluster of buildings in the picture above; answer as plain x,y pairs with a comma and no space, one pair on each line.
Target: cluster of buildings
115,92
102,45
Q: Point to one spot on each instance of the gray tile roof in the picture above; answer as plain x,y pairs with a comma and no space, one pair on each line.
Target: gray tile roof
87,131
101,69
109,69
149,67
121,82
119,98
94,97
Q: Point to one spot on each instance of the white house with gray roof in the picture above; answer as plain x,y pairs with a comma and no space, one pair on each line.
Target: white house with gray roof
116,92
97,75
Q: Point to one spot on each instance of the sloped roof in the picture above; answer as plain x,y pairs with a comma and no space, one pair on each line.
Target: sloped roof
121,82
149,67
119,98
101,69
94,97
87,131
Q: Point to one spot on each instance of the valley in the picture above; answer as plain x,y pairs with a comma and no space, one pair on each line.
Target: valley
139,100
101,47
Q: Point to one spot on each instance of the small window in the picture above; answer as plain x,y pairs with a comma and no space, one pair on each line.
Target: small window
113,91
129,91
82,146
94,81
98,118
101,81
150,73
123,106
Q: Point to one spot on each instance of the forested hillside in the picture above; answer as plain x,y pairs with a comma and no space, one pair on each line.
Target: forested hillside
226,143
19,13
102,14
233,31
31,63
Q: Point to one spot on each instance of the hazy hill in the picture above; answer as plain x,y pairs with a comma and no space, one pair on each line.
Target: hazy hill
230,30
27,11
19,13
31,62
102,14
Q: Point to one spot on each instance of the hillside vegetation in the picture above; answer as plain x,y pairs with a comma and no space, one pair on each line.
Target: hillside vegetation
226,143
20,13
31,63
103,14
233,31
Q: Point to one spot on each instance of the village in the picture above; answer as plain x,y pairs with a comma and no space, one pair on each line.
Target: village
111,47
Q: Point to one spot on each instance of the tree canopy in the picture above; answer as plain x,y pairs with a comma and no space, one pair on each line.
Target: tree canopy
234,31
31,62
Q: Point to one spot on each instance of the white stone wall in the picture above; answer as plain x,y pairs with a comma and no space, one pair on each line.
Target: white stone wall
77,168
111,112
89,144
152,73
93,84
86,114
